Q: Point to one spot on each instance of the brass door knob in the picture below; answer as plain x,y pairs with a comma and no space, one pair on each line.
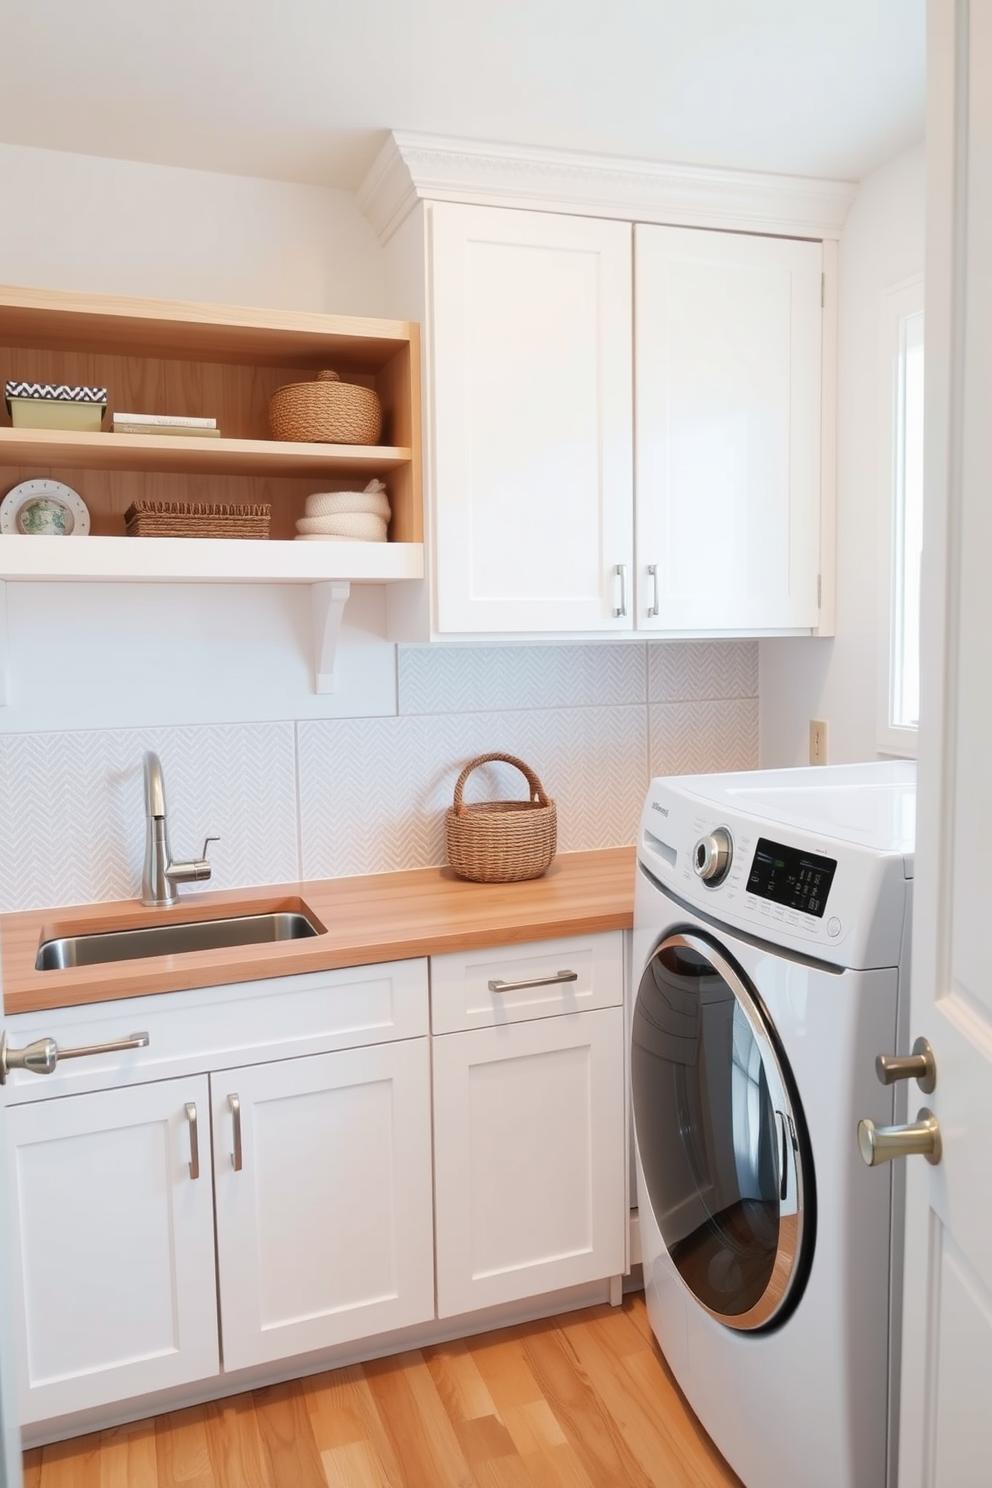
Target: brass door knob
920,1138
919,1066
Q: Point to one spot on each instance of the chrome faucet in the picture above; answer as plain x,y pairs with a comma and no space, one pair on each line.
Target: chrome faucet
161,874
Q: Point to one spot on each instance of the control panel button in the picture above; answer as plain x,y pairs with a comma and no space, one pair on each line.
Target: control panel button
833,927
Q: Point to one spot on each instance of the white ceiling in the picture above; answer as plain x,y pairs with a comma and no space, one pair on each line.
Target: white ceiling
305,90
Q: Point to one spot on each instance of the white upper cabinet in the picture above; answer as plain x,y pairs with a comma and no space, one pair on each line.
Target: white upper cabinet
630,390
728,393
624,426
530,376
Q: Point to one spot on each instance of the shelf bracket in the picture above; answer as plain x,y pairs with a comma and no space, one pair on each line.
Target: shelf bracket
328,601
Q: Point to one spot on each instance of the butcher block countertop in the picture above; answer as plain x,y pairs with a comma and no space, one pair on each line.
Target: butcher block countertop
384,917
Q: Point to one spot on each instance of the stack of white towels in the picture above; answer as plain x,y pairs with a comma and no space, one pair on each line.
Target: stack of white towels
346,516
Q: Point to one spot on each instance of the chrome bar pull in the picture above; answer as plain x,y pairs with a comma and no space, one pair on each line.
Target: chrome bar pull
235,1105
621,572
548,981
194,1141
41,1057
919,1066
920,1138
133,1041
653,610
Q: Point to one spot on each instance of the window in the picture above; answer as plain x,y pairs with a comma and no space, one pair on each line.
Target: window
902,530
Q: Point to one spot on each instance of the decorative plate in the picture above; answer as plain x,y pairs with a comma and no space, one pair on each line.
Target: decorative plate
44,508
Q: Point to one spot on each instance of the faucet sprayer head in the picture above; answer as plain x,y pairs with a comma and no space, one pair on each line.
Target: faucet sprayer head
154,785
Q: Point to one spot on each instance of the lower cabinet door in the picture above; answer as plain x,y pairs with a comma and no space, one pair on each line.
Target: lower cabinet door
323,1187
112,1245
529,1158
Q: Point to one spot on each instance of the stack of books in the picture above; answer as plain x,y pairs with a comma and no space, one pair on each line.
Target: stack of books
165,423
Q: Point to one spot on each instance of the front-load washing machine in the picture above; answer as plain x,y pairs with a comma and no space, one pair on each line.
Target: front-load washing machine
771,939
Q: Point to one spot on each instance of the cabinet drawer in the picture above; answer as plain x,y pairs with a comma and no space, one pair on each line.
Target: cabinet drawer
571,975
215,1027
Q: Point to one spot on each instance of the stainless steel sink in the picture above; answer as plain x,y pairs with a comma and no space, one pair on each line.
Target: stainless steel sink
167,940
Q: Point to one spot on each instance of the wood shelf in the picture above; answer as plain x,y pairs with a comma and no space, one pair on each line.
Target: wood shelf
59,449
224,362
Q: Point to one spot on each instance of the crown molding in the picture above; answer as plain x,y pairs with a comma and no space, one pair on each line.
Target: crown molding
426,167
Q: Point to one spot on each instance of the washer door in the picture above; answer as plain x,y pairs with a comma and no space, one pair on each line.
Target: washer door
720,1134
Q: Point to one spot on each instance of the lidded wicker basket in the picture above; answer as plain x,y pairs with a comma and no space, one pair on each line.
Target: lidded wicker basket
501,841
326,411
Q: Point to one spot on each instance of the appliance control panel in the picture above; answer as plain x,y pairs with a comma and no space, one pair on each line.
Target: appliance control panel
836,900
792,876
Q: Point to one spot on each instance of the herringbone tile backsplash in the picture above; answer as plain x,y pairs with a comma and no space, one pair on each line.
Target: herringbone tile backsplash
325,799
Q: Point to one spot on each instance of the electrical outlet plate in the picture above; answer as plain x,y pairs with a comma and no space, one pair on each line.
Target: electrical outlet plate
817,741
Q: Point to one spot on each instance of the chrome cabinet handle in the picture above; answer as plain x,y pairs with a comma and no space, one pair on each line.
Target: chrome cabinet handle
653,610
548,981
133,1041
621,572
919,1066
194,1141
235,1105
41,1057
921,1138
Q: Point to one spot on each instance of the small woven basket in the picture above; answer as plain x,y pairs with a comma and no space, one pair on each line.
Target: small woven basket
197,519
501,841
325,411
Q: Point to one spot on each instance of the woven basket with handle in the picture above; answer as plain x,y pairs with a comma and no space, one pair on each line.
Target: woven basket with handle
325,411
501,841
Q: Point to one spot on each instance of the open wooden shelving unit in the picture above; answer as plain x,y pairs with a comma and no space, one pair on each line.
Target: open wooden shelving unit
224,362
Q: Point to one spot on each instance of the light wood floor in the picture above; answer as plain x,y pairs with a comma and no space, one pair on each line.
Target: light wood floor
580,1401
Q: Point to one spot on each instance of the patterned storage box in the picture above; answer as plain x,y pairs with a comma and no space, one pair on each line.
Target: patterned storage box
55,405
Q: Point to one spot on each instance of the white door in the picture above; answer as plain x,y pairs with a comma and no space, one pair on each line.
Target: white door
112,1239
323,1184
10,1435
531,439
529,1158
946,1407
727,466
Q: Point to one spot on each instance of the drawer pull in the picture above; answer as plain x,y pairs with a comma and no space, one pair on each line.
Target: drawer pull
546,981
41,1057
235,1105
194,1141
133,1041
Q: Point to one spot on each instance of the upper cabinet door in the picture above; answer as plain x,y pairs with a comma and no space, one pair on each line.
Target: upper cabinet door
728,397
532,430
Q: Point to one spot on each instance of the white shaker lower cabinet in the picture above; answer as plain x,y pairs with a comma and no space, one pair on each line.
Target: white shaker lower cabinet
112,1242
529,1164
323,1184
728,332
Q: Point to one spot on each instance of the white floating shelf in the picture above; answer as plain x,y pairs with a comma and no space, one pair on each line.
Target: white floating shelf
206,560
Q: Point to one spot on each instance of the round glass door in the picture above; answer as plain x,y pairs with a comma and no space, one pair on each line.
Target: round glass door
720,1134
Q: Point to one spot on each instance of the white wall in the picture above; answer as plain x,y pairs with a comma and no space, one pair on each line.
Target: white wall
836,679
201,653
86,223
217,678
